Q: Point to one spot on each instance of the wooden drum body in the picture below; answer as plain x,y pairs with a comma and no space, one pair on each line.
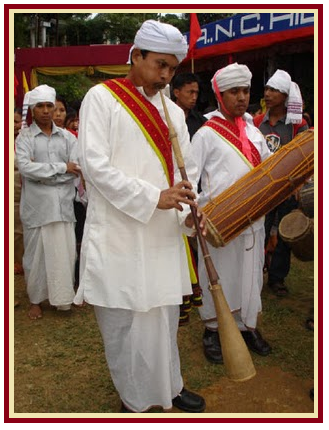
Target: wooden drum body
306,199
297,230
260,190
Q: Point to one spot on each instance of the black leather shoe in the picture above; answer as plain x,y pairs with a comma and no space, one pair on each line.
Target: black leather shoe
189,402
211,347
255,342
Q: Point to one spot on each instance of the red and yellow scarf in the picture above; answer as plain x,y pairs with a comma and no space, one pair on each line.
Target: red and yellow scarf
230,133
148,119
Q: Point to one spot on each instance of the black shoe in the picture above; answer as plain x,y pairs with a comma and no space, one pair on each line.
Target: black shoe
189,402
278,288
255,342
211,347
125,410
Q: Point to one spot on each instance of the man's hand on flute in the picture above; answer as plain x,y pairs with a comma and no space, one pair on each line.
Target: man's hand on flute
179,193
189,222
182,193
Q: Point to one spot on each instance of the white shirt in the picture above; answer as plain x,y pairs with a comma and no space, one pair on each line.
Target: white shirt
47,190
219,164
132,255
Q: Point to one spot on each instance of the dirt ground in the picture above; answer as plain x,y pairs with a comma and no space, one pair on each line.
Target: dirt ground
271,391
59,371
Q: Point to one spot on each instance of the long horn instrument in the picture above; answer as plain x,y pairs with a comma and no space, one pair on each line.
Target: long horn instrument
237,359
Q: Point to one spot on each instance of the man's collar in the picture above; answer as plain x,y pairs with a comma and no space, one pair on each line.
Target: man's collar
267,117
35,129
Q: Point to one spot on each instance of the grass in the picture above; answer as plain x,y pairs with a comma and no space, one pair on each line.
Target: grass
60,364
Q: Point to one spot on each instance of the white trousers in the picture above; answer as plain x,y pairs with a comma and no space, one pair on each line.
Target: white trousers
240,269
49,261
142,355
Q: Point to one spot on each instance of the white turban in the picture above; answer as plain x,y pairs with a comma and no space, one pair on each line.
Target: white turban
282,82
233,75
40,94
159,37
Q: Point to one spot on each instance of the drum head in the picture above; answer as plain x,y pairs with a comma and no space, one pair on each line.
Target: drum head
294,226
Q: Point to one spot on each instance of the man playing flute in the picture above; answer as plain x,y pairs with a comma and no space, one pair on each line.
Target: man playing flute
134,267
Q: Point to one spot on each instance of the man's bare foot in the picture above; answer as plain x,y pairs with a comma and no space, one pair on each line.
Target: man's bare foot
35,312
18,269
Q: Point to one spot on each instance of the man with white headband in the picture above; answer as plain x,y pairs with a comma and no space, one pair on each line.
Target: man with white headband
226,148
280,124
47,161
134,268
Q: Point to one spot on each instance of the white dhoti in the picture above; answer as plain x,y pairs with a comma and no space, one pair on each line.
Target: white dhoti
49,261
240,269
142,355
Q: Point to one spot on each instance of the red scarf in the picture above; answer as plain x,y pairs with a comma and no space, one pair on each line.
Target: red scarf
231,132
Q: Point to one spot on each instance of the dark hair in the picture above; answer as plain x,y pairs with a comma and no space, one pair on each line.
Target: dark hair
307,118
184,78
62,100
253,108
18,110
70,116
75,105
144,53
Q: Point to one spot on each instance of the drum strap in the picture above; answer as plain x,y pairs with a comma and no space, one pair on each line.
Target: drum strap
223,129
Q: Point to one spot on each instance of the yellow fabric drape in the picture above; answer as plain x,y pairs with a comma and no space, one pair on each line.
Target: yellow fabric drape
117,70
25,84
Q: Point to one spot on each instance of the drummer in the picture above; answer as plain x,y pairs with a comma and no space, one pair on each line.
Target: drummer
226,148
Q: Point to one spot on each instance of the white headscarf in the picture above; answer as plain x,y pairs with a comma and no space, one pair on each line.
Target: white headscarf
282,82
233,75
40,94
159,37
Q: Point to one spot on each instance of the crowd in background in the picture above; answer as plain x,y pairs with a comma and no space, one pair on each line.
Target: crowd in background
51,200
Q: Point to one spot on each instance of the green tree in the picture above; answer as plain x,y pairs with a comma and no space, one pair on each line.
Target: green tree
207,18
183,24
71,87
122,27
21,30
59,23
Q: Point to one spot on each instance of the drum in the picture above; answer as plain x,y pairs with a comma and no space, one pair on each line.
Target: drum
260,190
297,230
306,199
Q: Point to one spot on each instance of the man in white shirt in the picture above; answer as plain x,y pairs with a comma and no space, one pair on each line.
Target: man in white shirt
47,161
134,268
226,148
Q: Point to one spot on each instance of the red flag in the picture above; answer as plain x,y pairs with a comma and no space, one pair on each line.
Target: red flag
195,31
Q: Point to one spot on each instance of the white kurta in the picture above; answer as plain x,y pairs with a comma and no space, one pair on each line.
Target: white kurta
240,270
133,265
132,255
